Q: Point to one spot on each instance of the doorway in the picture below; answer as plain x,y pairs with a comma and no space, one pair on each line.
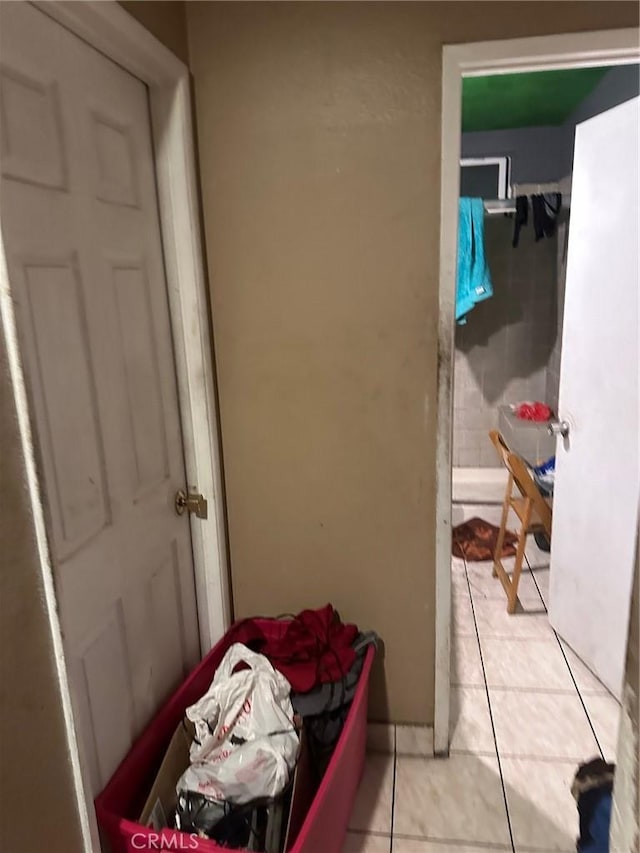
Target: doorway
105,314
499,58
519,696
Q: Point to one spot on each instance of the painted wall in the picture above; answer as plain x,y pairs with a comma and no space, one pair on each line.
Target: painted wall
534,151
618,85
319,138
540,154
38,799
166,19
625,818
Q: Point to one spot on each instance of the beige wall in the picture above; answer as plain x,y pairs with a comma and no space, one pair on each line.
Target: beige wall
625,819
319,137
166,19
36,785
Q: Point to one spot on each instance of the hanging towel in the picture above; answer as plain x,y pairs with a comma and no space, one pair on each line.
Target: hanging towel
473,278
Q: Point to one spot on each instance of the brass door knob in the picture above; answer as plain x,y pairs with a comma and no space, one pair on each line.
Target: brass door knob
192,502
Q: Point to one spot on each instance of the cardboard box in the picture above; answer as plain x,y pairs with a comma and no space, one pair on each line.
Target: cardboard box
161,802
284,816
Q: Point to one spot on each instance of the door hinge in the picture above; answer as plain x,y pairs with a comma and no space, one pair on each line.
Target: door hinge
193,503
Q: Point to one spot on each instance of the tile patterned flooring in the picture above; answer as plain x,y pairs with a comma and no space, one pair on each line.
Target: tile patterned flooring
525,711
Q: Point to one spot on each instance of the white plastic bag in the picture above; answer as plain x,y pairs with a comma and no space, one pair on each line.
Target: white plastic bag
245,745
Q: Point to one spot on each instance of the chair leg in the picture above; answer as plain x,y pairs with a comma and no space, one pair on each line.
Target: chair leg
512,598
503,527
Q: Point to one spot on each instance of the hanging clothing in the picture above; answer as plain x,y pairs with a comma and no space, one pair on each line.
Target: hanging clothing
521,218
473,276
545,214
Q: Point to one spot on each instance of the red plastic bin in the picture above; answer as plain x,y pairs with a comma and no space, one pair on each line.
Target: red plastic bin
324,829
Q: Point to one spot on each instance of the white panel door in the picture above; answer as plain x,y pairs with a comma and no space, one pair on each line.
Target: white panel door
80,225
598,464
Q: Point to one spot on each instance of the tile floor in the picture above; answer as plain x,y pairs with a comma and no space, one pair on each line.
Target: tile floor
525,712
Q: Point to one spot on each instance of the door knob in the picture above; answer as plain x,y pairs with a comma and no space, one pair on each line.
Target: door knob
192,503
559,428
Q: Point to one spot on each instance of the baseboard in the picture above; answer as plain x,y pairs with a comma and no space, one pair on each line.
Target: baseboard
390,739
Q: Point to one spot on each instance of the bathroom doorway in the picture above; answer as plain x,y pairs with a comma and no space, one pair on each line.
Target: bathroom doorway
512,352
520,698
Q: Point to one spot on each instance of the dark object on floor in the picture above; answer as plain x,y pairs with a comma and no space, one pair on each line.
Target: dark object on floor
542,541
476,540
592,787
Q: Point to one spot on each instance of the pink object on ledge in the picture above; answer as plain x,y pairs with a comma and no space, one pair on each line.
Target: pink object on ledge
325,826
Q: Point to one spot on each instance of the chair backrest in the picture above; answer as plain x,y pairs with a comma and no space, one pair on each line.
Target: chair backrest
497,439
528,489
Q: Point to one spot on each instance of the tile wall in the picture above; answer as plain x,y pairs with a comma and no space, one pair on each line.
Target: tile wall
504,352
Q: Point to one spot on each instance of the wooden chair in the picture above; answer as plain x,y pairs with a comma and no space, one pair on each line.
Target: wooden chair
524,498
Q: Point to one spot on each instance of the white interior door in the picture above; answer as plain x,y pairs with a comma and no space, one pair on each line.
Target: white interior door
81,232
598,464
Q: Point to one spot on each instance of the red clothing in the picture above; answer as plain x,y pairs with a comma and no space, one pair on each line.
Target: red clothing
533,412
312,648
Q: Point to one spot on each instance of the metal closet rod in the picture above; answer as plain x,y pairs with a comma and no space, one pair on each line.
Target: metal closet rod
508,205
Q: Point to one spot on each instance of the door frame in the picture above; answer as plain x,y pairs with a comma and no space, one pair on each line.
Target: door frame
570,50
116,34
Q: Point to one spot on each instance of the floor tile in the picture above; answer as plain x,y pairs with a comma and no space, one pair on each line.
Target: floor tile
413,845
471,729
541,725
527,622
458,799
484,585
479,485
358,842
488,512
526,664
543,813
459,585
372,809
463,624
604,713
458,566
466,667
381,737
414,740
584,678
541,578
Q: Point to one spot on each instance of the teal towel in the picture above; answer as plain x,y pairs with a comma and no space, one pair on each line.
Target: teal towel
474,278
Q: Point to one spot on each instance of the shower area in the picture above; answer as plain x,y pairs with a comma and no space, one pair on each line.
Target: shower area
507,353
517,143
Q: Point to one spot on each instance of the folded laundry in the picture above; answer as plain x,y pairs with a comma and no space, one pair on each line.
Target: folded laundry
329,696
314,647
